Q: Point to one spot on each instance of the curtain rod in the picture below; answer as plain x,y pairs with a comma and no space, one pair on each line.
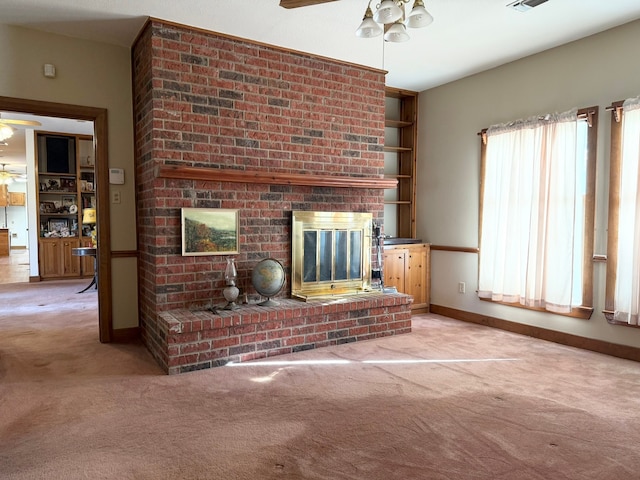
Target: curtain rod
582,114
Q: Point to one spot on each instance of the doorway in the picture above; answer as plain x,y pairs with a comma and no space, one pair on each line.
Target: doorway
99,118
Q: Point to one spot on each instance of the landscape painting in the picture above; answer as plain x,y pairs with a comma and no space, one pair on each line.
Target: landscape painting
209,231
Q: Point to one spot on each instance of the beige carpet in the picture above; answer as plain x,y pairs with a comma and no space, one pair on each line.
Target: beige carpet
448,401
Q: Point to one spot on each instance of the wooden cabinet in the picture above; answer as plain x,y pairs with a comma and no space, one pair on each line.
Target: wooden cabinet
57,258
400,141
11,199
407,267
87,263
4,242
17,199
66,187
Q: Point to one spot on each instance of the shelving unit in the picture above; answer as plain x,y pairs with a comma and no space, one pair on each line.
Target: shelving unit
401,122
66,179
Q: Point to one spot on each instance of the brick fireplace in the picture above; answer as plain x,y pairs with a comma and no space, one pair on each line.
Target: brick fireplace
221,122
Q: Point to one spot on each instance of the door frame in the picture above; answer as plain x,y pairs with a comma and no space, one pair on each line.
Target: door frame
100,140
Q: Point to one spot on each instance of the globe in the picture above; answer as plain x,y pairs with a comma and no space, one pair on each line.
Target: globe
268,279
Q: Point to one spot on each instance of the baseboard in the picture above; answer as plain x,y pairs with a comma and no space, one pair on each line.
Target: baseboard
125,335
34,279
599,346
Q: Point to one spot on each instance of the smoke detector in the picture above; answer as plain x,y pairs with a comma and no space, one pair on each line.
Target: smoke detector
525,5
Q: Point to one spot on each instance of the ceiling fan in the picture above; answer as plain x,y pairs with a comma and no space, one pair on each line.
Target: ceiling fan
6,130
7,177
302,3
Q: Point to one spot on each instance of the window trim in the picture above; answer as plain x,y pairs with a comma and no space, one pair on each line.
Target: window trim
615,171
584,311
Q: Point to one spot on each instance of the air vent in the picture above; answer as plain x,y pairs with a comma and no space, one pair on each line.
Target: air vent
525,5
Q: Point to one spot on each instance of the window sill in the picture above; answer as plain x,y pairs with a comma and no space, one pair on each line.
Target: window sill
581,312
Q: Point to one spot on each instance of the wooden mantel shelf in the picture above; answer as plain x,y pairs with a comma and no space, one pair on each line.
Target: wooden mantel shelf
253,176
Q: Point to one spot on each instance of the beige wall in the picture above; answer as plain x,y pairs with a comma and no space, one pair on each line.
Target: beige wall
593,71
90,74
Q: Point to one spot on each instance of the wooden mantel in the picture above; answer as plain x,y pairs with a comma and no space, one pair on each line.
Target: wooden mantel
268,178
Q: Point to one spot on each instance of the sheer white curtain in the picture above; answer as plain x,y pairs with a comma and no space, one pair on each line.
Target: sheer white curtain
627,294
530,212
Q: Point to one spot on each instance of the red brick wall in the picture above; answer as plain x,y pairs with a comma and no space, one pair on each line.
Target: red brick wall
207,100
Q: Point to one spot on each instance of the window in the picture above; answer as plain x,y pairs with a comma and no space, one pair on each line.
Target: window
537,213
622,302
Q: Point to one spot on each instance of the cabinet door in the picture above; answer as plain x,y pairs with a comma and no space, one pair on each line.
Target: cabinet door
4,242
50,258
4,196
17,199
393,268
70,262
87,262
416,274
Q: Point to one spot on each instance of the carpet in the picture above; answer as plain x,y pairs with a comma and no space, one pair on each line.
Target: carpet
448,401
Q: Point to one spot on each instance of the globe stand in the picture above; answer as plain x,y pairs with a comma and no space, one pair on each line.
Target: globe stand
269,303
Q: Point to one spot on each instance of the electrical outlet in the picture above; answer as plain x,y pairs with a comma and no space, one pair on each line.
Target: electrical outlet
115,196
461,287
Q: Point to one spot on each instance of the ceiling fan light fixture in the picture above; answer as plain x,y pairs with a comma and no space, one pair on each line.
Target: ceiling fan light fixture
419,17
5,132
368,28
387,12
397,33
6,178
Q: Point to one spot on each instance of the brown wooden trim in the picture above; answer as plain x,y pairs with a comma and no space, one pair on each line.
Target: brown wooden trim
590,205
126,335
99,118
399,92
450,248
615,165
256,43
420,310
608,314
124,253
253,176
594,345
581,312
34,279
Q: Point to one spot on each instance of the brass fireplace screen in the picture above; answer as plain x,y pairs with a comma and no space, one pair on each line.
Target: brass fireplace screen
331,253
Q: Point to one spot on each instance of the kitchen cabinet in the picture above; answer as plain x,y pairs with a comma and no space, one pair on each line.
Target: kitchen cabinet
407,267
4,242
17,199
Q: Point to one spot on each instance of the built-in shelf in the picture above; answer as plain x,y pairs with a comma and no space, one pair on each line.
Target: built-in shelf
396,123
269,178
397,176
400,161
397,149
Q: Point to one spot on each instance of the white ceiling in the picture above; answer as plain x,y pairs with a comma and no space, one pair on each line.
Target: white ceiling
466,37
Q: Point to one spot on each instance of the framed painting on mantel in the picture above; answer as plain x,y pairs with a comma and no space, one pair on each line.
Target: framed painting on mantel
209,231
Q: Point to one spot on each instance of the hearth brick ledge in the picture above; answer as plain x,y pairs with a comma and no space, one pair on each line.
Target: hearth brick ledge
189,340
